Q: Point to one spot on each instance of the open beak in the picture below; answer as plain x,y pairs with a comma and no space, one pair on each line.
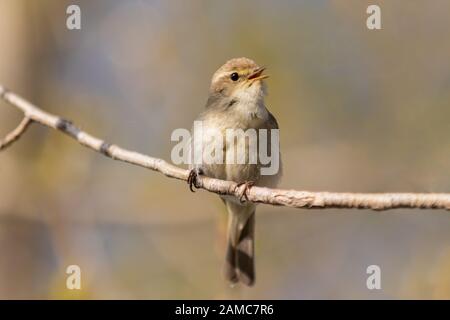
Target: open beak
257,75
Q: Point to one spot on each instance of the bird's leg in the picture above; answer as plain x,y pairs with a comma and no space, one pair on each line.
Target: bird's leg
192,178
248,185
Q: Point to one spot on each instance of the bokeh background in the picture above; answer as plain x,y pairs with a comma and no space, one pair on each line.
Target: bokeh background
359,110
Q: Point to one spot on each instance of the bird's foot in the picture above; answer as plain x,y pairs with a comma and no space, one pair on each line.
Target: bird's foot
247,185
192,178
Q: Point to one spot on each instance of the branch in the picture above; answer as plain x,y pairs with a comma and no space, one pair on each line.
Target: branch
16,133
289,198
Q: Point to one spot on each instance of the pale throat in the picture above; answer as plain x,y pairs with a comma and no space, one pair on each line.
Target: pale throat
250,103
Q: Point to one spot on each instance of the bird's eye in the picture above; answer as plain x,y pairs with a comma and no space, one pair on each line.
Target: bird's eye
234,76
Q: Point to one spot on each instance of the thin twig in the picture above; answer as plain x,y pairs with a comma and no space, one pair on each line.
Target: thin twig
289,198
16,133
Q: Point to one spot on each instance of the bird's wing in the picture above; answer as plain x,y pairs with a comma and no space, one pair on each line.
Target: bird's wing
271,123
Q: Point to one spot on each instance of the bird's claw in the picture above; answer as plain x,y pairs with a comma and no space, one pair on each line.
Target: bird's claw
247,186
192,179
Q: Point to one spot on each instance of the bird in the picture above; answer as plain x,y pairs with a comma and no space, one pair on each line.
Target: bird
236,102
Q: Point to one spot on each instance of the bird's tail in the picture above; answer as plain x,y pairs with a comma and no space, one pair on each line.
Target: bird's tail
240,255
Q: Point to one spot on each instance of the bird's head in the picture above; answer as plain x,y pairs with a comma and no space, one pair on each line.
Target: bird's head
240,79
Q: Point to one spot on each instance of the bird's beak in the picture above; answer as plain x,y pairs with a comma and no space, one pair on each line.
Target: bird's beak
257,75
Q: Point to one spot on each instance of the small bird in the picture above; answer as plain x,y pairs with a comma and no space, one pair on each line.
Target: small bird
236,101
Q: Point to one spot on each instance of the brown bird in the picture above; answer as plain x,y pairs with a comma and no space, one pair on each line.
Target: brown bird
236,101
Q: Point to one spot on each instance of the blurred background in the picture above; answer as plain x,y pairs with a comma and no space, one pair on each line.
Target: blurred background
359,111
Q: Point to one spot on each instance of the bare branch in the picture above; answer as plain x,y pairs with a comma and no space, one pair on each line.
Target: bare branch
16,133
289,198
